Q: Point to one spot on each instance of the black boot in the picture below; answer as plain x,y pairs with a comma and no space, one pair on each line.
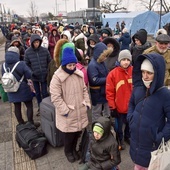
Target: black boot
76,155
70,157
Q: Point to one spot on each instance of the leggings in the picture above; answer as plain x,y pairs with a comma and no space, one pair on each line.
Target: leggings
18,113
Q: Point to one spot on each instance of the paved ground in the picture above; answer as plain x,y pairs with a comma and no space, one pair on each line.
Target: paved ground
14,158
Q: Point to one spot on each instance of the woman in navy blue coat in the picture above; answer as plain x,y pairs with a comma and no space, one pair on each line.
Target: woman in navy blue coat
149,109
24,93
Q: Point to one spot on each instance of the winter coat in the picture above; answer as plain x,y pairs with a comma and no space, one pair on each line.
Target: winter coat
119,88
51,69
37,59
97,73
148,111
53,40
112,58
136,50
70,98
102,149
24,93
125,41
83,69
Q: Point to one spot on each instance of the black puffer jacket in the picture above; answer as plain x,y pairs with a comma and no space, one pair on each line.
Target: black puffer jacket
102,149
37,59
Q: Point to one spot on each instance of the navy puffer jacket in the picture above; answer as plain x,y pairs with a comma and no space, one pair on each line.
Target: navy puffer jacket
97,73
37,59
24,93
148,111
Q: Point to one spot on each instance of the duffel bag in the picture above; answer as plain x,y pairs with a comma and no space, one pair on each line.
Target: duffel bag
31,140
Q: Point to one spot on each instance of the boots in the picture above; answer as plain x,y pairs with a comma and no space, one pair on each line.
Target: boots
70,157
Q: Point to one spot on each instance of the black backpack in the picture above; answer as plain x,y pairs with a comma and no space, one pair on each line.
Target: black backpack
31,140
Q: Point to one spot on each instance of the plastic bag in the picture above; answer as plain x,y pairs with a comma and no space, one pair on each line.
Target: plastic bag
160,158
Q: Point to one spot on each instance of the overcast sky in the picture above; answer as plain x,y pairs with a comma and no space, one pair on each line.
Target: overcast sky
22,7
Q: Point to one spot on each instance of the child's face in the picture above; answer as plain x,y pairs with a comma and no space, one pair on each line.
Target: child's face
124,63
97,136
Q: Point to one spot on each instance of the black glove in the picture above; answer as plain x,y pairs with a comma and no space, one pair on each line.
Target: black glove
114,113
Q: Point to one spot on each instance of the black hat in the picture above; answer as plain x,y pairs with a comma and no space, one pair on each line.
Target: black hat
163,38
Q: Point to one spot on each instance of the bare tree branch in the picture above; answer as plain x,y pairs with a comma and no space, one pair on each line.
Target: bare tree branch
108,7
148,4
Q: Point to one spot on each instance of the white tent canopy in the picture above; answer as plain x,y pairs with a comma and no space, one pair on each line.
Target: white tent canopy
134,20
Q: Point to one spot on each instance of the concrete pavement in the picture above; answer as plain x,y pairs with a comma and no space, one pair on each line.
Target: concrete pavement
14,158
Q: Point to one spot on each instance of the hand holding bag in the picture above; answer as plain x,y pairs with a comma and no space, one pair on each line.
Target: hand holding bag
160,158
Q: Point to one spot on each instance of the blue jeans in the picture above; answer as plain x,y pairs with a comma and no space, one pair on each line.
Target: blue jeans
119,127
40,90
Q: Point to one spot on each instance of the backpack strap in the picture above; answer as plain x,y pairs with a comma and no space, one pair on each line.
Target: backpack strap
4,68
15,66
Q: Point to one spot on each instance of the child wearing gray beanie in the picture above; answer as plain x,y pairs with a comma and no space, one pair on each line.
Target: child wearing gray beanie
125,54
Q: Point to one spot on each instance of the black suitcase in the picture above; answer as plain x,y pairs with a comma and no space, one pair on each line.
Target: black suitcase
31,140
48,125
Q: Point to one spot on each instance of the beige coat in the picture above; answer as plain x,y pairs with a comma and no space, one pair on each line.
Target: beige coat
69,96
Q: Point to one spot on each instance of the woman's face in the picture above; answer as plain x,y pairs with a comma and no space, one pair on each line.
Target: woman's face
71,66
147,76
137,42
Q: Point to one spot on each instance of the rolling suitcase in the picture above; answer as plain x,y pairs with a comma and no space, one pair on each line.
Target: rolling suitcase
48,125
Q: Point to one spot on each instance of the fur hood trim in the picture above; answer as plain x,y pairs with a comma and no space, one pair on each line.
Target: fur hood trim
104,55
57,50
81,35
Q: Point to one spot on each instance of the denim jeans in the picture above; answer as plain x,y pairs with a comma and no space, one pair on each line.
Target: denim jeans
119,127
40,90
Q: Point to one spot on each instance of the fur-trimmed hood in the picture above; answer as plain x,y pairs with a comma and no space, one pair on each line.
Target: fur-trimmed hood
15,39
115,44
101,52
57,50
81,35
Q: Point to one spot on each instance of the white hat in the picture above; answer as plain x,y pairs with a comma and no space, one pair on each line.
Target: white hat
146,65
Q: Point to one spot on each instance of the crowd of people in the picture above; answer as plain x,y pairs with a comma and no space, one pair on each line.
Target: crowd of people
122,81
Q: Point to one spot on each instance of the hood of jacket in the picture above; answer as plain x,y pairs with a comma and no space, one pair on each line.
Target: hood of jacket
94,29
101,52
81,35
107,29
68,34
15,39
54,29
158,63
115,44
94,38
140,35
106,123
35,37
11,57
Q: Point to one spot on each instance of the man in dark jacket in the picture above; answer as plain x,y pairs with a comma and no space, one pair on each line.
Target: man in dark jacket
38,58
